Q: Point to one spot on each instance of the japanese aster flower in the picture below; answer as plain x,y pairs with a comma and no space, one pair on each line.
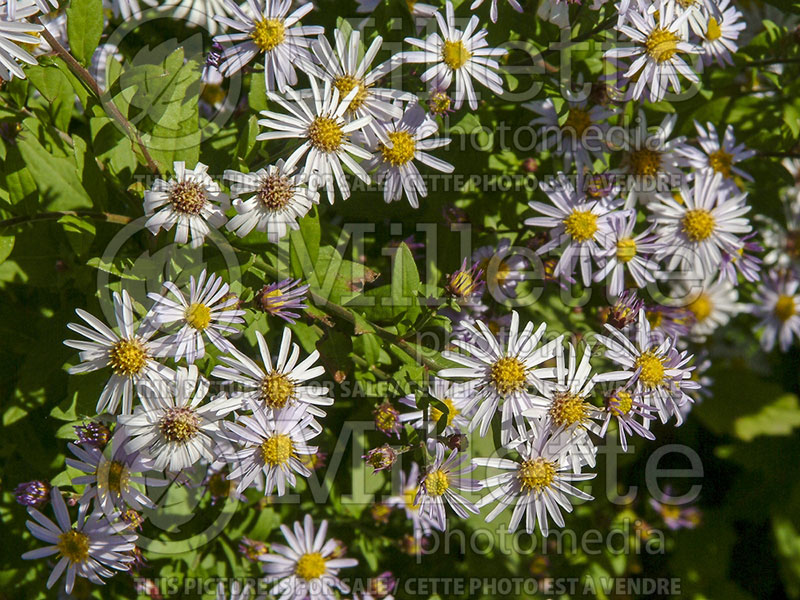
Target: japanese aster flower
209,313
20,9
538,484
440,486
200,13
398,144
174,426
718,156
91,548
455,396
13,34
130,354
275,385
501,373
623,252
407,500
266,27
493,8
277,199
720,33
282,297
458,55
191,202
319,122
502,267
306,568
711,303
633,416
776,303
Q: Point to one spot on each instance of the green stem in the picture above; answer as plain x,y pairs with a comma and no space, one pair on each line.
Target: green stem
46,216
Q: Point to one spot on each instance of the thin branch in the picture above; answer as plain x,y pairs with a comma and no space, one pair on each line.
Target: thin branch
46,216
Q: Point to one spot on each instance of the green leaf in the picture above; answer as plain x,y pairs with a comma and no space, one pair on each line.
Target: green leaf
80,233
304,244
780,417
6,246
84,28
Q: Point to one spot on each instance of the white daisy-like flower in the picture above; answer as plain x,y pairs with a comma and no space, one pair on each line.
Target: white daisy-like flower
306,567
708,223
717,155
13,32
651,161
126,9
502,269
278,386
346,72
113,482
21,9
575,223
174,427
657,46
633,416
409,488
191,201
130,354
777,303
460,55
272,443
720,32
209,313
696,11
538,484
200,13
661,374
555,12
266,27
623,252
279,198
711,303
493,8
91,548
440,484
569,137
397,145
502,372
457,397
319,122
782,242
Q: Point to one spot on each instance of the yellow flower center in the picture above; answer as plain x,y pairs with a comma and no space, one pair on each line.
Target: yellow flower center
581,225
188,197
701,307
127,357
310,566
785,307
623,402
409,495
661,45
439,103
655,318
275,192
74,545
277,450
326,134
508,375
268,34
179,424
345,85
452,411
578,120
536,475
455,54
503,271
568,409
698,224
721,162
402,150
713,30
114,475
652,374
198,316
644,162
276,390
462,284
626,250
436,483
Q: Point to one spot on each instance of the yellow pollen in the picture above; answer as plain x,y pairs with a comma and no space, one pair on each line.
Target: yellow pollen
536,475
644,162
179,424
455,54
409,495
503,271
275,192
621,405
402,150
276,390
277,450
436,483
626,250
275,296
198,316
785,307
568,409
698,224
652,373
713,30
581,225
188,197
385,417
578,120
439,103
345,85
310,566
127,357
462,284
654,317
326,134
508,375
452,411
74,545
721,162
114,475
268,34
701,307
661,45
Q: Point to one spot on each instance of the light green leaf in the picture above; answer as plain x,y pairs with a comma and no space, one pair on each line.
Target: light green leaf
84,28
